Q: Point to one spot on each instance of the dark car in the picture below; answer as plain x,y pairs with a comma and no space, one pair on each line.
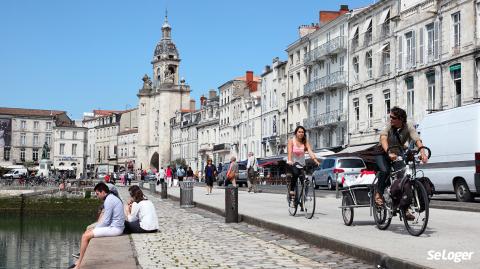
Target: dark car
242,174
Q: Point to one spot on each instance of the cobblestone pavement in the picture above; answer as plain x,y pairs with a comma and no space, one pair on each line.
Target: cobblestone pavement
195,238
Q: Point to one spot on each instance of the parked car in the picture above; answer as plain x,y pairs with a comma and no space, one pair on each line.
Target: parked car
150,177
336,168
242,174
16,173
453,137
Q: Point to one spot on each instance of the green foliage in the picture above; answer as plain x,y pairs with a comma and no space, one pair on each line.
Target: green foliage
88,194
179,162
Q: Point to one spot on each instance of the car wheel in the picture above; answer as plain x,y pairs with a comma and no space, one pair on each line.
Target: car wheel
330,184
315,184
462,192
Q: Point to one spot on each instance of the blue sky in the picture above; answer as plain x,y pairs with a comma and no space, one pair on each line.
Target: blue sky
79,55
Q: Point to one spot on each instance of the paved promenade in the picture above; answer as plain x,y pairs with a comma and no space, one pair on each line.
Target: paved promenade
196,238
448,231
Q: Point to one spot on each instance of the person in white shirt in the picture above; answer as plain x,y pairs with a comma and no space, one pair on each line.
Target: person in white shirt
160,176
140,213
252,169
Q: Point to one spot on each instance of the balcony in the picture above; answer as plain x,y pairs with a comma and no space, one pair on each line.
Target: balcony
205,147
337,79
112,157
329,118
333,46
222,147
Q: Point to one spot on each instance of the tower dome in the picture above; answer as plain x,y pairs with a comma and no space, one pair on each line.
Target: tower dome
165,48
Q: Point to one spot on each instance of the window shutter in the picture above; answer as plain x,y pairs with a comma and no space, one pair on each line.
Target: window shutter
436,32
400,53
414,49
420,59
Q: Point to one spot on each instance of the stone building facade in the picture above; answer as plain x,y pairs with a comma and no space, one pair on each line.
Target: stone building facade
159,99
274,109
184,136
23,132
69,149
208,129
127,140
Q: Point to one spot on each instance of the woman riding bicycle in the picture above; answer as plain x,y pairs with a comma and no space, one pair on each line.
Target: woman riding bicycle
297,146
396,133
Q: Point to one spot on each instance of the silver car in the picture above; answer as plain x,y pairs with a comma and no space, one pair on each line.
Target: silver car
336,168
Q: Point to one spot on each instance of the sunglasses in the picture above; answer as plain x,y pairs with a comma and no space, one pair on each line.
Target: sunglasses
393,118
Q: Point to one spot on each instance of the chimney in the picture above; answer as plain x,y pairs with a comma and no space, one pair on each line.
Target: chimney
327,16
344,9
212,94
203,100
251,84
192,105
267,69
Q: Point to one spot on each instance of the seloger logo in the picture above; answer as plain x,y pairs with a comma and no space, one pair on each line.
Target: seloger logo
444,255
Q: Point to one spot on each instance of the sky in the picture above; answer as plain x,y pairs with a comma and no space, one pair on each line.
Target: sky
80,55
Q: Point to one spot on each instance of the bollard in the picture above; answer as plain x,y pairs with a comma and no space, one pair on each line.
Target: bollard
186,194
231,204
163,191
153,187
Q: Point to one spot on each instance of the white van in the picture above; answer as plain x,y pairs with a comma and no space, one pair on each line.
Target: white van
16,173
454,137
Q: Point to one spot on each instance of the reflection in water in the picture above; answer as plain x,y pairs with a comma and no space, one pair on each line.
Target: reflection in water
39,241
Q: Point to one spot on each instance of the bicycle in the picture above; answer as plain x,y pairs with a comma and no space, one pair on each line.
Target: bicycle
413,193
304,195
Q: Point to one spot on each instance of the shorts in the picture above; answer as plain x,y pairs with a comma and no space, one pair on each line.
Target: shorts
107,231
209,181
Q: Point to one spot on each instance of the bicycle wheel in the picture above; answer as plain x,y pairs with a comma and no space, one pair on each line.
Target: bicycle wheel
309,199
293,202
381,213
419,208
347,212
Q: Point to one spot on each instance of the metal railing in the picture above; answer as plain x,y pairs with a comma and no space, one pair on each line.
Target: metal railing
334,79
331,117
330,47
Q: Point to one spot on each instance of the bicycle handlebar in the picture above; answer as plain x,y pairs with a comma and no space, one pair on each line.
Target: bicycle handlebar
410,152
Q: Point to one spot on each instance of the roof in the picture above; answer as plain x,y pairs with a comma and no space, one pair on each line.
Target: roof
29,112
98,112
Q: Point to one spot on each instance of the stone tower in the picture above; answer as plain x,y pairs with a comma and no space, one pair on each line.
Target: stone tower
159,98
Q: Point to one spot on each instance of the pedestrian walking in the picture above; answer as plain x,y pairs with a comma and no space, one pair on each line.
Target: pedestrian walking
169,175
232,172
210,174
180,173
252,172
161,176
189,174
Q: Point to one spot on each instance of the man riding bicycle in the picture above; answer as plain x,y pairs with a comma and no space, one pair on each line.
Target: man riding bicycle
396,133
297,146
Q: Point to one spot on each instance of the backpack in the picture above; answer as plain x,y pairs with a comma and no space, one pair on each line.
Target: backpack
401,192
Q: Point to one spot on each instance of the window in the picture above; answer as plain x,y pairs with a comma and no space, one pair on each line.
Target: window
410,49
410,96
368,33
340,100
133,151
431,90
370,109
327,102
23,139
49,126
456,29
74,149
22,155
48,139
6,154
457,82
341,63
62,149
386,96
62,134
74,135
355,68
430,41
35,139
386,60
369,64
36,124
35,155
356,109
23,125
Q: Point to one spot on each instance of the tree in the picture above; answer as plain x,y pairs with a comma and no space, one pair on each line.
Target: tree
178,162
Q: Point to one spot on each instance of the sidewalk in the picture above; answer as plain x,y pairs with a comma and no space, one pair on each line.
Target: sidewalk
449,231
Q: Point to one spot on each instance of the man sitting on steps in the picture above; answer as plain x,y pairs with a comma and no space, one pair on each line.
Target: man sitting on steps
111,224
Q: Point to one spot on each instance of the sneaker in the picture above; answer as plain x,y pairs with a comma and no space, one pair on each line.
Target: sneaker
409,216
76,256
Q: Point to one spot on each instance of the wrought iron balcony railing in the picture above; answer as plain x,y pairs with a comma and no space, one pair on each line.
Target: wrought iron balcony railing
332,117
335,79
333,46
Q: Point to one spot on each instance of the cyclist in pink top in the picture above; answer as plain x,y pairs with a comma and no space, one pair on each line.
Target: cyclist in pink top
297,146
